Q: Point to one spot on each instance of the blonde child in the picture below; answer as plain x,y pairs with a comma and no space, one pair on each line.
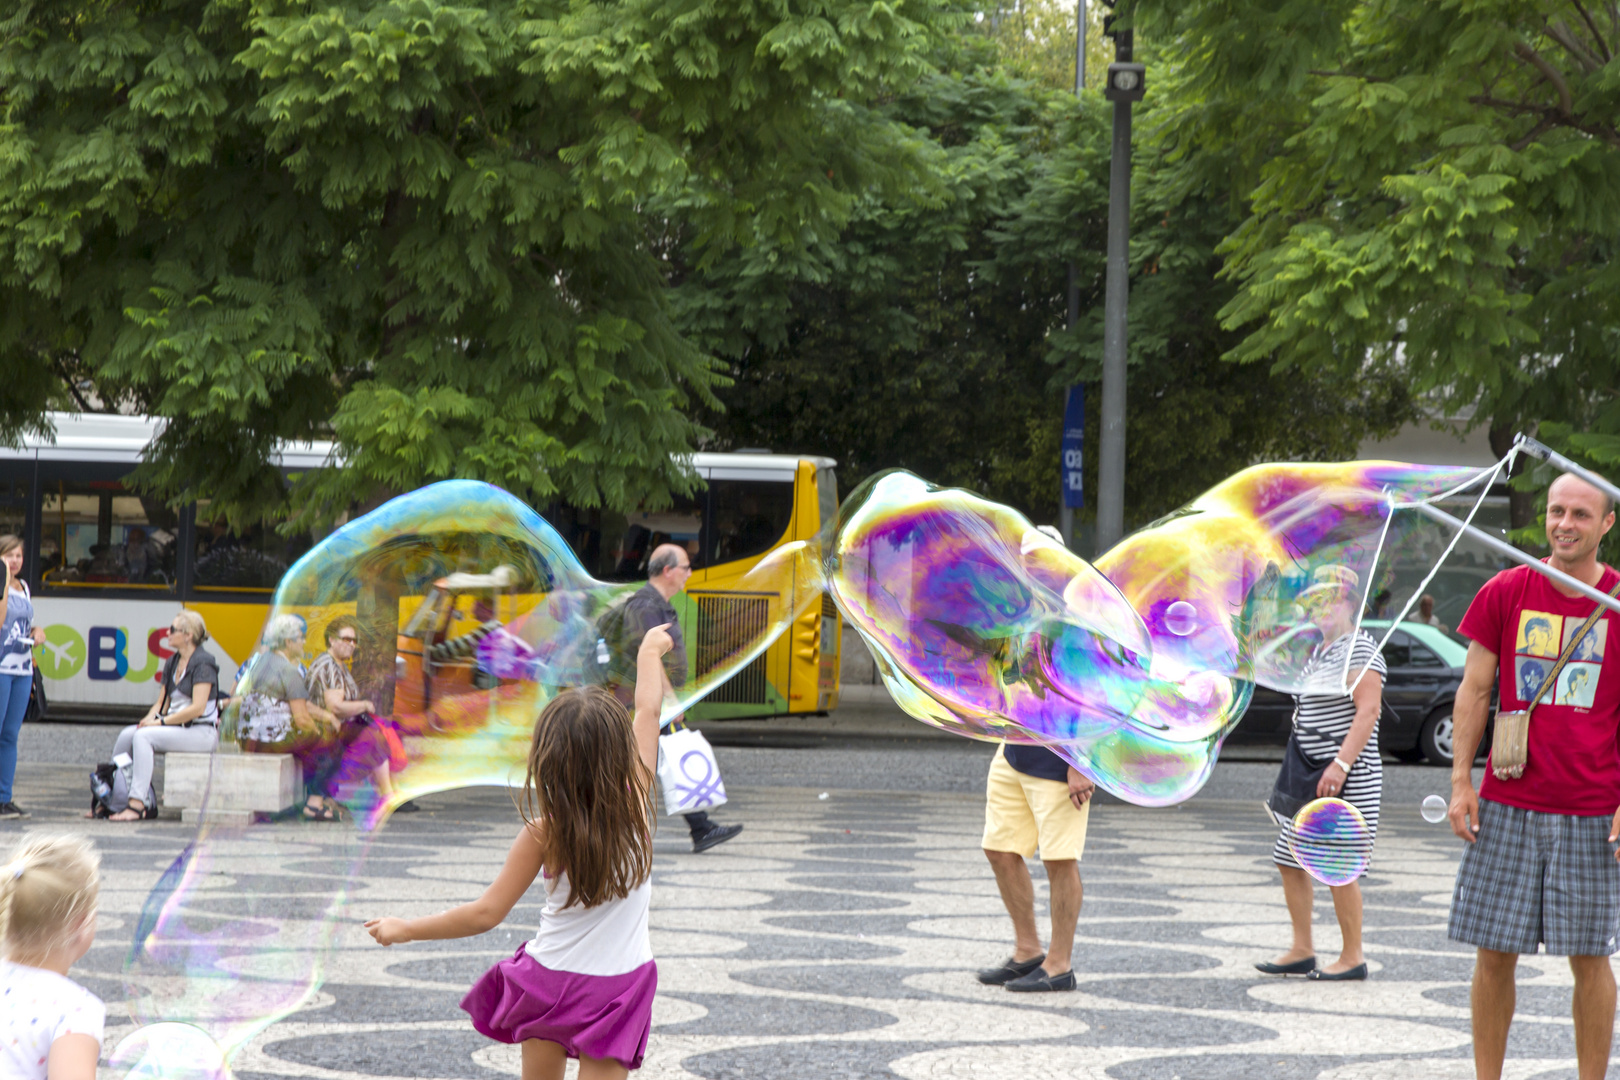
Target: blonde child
50,1026
583,988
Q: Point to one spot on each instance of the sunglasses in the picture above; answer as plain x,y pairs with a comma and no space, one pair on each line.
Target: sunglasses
346,640
177,630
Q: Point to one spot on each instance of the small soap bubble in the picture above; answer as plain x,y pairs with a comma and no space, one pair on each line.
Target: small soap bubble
1181,618
168,1051
1434,809
823,795
1331,841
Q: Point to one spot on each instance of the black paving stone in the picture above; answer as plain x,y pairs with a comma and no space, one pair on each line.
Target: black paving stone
741,1014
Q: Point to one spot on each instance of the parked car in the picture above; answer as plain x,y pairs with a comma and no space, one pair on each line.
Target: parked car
1425,668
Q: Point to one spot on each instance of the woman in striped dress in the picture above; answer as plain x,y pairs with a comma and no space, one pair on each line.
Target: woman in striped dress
1341,728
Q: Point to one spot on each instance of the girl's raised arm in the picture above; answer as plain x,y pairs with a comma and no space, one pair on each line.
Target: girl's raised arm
523,861
650,692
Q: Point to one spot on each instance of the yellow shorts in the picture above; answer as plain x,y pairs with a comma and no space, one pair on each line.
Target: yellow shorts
1022,813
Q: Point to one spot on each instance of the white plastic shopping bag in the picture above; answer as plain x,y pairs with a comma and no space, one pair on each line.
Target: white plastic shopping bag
688,773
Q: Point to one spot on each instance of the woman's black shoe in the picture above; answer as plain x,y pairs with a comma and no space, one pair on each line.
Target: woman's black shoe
1298,967
1009,970
1355,974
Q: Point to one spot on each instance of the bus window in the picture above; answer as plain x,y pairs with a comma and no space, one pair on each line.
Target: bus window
97,535
827,494
750,516
680,524
248,561
13,506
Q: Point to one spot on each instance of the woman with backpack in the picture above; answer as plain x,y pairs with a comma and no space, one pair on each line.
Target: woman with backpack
185,718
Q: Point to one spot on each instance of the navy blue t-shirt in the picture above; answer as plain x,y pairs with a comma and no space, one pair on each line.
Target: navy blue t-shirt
1037,761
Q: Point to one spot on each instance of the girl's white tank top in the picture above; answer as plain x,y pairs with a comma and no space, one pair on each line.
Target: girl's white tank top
609,939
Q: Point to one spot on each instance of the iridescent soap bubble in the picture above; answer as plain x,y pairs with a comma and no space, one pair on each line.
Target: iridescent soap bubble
473,612
1181,618
1330,840
1434,809
1134,669
168,1051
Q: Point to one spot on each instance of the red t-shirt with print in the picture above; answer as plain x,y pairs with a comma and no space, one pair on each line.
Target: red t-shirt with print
1574,762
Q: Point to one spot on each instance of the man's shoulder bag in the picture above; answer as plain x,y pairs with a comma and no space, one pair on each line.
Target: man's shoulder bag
1510,742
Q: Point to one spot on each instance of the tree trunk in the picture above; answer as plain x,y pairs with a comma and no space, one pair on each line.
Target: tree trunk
1521,504
377,612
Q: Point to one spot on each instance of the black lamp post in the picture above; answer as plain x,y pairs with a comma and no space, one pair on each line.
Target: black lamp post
1126,85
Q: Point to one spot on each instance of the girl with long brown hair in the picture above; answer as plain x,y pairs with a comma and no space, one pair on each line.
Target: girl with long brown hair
583,988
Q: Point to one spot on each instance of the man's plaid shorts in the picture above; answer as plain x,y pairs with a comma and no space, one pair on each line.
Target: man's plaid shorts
1531,878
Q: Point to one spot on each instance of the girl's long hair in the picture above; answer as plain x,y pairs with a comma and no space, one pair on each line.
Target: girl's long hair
589,791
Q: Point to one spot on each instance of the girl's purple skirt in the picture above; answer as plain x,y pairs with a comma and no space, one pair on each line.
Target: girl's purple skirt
598,1016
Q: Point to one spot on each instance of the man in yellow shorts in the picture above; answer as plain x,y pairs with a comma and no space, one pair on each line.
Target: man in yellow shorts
1035,799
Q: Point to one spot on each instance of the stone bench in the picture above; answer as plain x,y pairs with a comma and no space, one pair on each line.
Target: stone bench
235,786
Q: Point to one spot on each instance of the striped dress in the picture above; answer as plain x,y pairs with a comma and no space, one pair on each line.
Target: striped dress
1322,718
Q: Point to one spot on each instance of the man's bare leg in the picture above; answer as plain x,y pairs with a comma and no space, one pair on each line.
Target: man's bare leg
1018,896
1593,1007
1491,999
1066,893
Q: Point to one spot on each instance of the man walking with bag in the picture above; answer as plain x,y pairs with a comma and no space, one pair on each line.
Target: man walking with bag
667,571
1540,863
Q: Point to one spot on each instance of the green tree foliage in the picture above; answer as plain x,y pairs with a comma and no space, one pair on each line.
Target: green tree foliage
1426,188
928,334
422,228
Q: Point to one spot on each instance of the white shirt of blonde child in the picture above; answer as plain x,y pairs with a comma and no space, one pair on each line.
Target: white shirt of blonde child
37,1007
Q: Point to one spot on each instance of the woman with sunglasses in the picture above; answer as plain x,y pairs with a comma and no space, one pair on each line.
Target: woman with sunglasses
185,718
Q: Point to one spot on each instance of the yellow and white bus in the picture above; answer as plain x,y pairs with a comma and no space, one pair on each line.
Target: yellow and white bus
108,567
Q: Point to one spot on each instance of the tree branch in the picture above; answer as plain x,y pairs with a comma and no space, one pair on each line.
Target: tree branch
1553,75
1561,34
1597,35
61,369
1518,145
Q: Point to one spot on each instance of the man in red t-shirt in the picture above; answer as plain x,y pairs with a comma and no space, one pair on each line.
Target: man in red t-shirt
1540,865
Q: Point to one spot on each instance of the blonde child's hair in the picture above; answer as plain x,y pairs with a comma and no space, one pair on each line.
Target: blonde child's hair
47,889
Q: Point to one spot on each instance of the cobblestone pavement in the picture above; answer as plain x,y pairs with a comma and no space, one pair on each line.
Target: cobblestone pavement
837,937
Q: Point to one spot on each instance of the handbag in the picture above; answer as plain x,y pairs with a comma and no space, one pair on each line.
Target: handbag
1296,780
688,773
1510,741
37,704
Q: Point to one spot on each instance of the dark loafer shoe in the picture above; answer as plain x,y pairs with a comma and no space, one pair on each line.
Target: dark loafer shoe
1298,967
1355,974
1009,970
716,835
1038,981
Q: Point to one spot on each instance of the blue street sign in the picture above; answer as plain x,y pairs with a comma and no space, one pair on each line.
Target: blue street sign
1074,435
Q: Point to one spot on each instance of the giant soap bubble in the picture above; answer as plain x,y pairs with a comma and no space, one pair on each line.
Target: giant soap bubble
472,612
1133,669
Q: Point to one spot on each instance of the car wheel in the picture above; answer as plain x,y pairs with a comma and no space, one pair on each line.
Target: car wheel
1435,739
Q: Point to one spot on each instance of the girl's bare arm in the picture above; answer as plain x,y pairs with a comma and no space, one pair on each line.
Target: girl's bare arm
650,692
523,861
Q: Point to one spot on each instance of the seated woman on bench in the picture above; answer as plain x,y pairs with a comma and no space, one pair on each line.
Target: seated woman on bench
184,719
277,715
